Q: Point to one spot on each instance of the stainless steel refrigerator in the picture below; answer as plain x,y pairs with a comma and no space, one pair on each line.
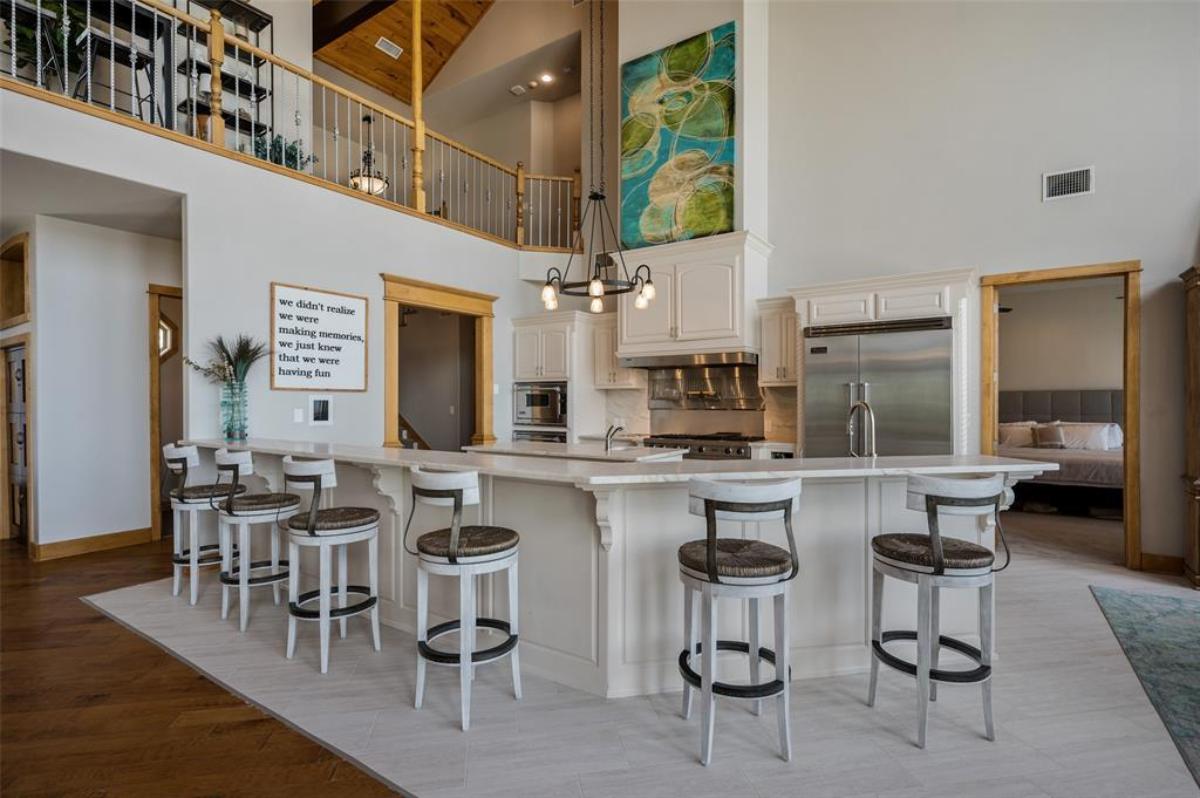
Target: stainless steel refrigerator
903,369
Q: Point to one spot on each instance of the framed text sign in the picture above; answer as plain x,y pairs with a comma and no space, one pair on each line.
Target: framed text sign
318,339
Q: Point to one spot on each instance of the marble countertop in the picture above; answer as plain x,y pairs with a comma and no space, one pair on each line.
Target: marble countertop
622,453
590,473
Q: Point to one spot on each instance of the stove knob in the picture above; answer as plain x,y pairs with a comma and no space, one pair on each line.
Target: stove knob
728,450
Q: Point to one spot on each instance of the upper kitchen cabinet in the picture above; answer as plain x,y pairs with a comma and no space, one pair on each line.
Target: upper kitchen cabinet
706,294
777,342
608,373
541,349
883,300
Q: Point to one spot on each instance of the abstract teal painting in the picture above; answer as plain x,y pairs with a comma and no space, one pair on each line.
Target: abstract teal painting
677,140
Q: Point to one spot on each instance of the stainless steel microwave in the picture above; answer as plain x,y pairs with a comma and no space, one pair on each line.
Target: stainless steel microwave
542,403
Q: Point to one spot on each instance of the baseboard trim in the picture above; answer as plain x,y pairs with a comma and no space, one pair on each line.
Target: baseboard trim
1161,563
73,548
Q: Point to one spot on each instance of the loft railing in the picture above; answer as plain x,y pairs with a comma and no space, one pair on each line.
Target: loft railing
165,68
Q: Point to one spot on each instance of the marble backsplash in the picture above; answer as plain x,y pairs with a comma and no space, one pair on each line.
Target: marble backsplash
779,423
628,407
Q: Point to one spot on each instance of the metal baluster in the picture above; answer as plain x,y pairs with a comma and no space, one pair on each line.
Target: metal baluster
336,169
193,83
155,85
38,38
362,144
324,137
112,37
12,38
174,72
64,67
237,86
299,137
87,19
133,64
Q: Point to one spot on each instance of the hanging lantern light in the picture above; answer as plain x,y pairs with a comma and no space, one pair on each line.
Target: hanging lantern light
602,262
368,179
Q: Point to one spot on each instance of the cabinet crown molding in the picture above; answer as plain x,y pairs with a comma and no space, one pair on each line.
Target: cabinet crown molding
970,276
557,316
738,238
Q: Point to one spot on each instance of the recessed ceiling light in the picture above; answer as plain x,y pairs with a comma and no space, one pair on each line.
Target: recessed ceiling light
547,77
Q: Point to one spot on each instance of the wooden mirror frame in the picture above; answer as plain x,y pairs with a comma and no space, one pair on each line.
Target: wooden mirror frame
989,395
399,291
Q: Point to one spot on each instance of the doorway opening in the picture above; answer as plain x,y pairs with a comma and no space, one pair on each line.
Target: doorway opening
469,315
436,379
164,321
1060,383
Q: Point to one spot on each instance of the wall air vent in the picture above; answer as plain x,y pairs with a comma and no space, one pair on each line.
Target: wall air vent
1070,183
388,46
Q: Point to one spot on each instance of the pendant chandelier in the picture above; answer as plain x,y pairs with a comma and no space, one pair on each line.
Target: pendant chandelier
602,271
368,179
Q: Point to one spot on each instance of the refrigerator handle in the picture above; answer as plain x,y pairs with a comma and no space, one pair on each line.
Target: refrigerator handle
852,392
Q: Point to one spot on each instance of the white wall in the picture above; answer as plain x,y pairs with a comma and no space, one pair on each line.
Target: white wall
568,135
910,137
1064,336
92,376
274,227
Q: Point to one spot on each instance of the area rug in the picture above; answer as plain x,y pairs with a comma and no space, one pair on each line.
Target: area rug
1161,638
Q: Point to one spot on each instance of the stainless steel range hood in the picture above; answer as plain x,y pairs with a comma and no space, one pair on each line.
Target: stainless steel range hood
739,358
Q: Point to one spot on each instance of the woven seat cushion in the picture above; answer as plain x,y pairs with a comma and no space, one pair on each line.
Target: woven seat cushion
333,519
265,501
473,541
746,559
917,550
193,493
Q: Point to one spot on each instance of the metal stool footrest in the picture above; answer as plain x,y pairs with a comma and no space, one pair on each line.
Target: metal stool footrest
233,577
295,608
978,674
210,554
763,690
482,655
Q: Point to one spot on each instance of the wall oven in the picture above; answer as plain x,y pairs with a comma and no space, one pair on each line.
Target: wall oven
540,403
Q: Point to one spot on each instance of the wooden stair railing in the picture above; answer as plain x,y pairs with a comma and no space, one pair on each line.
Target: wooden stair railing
409,433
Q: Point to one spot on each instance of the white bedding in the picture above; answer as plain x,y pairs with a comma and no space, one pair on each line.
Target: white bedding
1075,466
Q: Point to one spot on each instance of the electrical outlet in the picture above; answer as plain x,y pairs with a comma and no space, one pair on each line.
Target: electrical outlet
297,415
495,389
451,409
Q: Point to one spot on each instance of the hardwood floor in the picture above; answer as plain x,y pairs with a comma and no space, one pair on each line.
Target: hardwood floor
90,708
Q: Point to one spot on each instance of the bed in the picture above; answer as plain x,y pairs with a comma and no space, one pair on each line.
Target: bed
1077,467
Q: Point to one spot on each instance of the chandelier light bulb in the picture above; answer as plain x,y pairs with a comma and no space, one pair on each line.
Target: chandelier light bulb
597,305
595,287
640,302
551,303
548,292
649,291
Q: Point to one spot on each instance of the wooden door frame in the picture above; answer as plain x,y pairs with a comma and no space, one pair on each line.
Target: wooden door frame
154,295
26,340
989,397
399,291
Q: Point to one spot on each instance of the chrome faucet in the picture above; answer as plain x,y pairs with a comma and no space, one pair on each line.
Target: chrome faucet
608,437
866,406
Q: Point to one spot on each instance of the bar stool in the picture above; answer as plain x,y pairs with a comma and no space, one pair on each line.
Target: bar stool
327,529
737,568
933,562
192,500
464,552
245,511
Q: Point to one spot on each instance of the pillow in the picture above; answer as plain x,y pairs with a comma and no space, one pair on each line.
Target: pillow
1097,437
1049,436
1017,434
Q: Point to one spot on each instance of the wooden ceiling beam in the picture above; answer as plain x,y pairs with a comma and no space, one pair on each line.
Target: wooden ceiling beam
334,18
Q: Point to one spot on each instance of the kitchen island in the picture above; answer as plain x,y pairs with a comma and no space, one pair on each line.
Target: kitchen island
601,602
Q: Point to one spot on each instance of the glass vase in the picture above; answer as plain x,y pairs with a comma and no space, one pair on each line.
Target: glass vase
234,410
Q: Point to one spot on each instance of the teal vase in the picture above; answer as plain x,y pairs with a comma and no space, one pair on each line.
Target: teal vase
234,410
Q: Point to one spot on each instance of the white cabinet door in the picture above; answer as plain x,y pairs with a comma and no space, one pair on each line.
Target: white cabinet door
527,353
556,343
913,303
654,323
604,355
788,347
770,361
841,308
707,305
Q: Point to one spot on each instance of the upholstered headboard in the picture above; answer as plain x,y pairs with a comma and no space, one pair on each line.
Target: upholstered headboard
1079,406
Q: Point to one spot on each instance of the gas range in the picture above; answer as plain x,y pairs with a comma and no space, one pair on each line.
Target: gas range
712,446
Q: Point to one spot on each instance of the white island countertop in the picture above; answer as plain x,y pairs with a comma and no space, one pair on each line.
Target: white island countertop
584,450
587,473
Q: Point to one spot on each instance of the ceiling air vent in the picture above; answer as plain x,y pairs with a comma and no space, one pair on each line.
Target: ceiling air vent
517,90
388,46
1071,183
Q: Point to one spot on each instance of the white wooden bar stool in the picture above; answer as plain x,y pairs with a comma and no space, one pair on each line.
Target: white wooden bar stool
737,568
464,552
246,510
933,562
191,500
327,529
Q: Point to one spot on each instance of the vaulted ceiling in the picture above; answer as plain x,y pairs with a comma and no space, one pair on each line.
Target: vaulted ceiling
345,33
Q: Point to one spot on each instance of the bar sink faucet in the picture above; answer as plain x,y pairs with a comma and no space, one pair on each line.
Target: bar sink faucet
866,406
609,435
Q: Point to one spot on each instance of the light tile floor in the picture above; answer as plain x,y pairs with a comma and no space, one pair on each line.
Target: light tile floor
1072,719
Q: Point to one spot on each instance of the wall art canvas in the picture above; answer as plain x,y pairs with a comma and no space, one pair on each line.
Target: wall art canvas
677,140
